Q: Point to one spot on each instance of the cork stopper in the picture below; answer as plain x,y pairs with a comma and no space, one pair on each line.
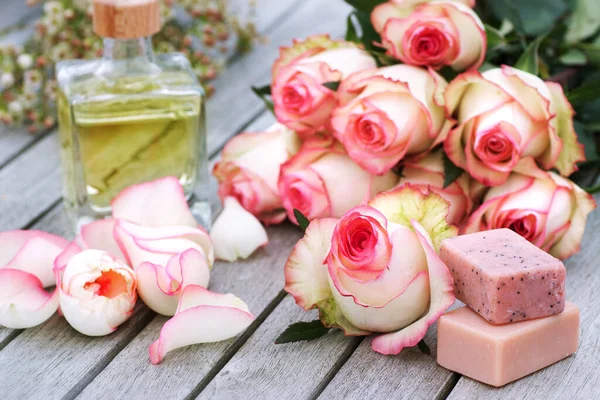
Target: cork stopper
126,19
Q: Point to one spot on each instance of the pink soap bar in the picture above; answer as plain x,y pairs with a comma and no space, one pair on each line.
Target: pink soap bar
499,354
504,277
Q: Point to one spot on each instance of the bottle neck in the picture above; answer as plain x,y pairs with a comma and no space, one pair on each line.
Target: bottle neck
128,56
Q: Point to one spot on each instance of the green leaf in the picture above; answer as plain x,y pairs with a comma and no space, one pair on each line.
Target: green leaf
584,22
588,140
495,38
573,57
423,347
365,5
303,222
585,93
366,34
592,52
451,171
530,17
332,85
263,92
351,34
302,331
530,59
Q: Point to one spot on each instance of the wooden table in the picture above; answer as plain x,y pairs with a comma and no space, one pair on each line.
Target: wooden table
54,361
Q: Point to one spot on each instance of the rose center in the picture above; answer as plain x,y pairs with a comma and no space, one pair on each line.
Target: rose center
524,226
109,284
428,44
494,146
293,97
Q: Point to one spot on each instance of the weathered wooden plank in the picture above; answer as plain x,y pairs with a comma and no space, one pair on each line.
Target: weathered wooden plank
30,184
231,105
409,375
263,370
576,377
12,141
258,281
16,12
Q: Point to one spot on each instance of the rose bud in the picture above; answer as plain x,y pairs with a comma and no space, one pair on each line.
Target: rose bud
427,174
369,125
435,34
381,271
504,115
97,292
301,101
26,268
162,241
548,210
322,181
249,170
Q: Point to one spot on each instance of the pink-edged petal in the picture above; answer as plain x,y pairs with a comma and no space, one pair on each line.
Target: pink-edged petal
158,203
236,233
31,251
23,301
85,320
442,297
306,270
100,235
153,285
570,243
203,317
565,150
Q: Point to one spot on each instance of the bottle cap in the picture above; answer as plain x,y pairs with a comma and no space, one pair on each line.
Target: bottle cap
126,19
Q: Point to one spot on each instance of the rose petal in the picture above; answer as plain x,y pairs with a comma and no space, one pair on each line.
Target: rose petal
305,270
236,233
160,287
31,251
442,297
202,317
158,203
100,235
23,301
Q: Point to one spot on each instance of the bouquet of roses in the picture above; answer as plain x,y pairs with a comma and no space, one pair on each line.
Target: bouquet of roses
422,118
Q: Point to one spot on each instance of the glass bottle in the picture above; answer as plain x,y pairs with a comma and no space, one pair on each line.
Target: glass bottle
130,117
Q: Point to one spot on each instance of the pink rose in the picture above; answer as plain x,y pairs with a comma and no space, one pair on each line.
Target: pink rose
504,115
301,101
543,207
381,272
433,34
322,181
249,170
427,174
369,125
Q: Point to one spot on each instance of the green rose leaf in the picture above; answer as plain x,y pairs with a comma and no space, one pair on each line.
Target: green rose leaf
263,92
451,171
530,17
332,85
303,222
585,21
359,21
573,57
302,331
365,5
530,59
495,38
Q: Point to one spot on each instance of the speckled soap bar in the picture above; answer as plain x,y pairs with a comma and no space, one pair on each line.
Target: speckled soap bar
504,277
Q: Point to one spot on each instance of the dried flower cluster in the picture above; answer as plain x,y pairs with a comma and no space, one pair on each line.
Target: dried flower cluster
205,30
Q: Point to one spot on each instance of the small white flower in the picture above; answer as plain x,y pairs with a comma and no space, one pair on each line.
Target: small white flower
25,61
7,80
52,8
32,81
15,108
81,5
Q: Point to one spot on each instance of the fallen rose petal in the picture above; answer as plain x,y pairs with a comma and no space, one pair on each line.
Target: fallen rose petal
31,251
202,317
100,235
236,233
157,203
23,301
442,297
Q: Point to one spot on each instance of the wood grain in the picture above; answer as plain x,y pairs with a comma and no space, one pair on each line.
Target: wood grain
264,370
257,281
15,12
575,377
